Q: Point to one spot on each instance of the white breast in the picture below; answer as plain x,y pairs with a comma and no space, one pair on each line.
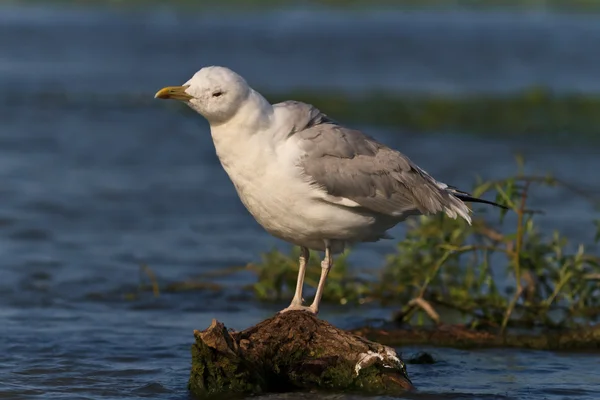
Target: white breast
271,187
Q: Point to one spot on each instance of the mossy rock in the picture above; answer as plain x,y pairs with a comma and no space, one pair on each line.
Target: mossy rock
292,351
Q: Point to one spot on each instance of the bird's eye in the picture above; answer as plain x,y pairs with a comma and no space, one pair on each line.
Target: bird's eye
217,93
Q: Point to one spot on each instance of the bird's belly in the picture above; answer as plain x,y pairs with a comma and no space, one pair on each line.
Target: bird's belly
290,210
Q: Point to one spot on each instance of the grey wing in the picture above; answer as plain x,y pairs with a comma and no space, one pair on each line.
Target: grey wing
349,164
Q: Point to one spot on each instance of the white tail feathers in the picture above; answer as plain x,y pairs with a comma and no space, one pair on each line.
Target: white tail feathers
456,208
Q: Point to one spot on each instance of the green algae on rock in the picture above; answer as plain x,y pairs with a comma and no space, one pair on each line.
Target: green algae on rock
293,351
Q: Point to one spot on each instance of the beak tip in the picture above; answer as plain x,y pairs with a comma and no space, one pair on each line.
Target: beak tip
161,94
173,92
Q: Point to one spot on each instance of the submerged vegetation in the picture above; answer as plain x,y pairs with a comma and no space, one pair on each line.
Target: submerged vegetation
487,275
533,111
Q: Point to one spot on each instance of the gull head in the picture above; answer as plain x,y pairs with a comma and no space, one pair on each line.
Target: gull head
217,93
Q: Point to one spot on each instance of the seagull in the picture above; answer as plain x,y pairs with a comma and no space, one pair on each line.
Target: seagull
308,179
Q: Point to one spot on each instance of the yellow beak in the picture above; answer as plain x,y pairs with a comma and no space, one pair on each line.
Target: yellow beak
173,92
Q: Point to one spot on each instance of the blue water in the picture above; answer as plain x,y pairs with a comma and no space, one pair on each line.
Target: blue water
95,184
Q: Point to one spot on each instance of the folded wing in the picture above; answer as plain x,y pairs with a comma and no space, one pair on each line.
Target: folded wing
351,165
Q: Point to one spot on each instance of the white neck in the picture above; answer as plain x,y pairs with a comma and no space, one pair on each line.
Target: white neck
233,138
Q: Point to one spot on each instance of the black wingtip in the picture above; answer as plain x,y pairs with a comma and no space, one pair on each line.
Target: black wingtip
471,199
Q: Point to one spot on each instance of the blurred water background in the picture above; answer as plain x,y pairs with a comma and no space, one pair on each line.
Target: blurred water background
97,178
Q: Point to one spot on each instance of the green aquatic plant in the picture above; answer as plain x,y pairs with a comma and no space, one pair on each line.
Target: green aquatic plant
521,276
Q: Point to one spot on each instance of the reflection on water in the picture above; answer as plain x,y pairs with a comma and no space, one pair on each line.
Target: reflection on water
91,190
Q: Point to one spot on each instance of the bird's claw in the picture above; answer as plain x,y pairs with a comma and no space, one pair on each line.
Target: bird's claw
298,307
